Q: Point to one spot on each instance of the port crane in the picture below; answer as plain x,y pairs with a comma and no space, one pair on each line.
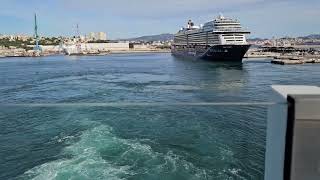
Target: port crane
36,36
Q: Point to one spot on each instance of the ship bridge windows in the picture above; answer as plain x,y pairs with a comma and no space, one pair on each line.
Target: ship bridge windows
233,38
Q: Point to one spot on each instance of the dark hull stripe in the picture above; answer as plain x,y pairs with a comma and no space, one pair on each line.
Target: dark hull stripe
214,53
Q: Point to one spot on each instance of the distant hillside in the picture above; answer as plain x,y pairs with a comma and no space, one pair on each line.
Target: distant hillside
159,37
168,37
256,39
311,36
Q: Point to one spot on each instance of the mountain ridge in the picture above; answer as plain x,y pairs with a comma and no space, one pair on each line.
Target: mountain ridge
157,37
169,37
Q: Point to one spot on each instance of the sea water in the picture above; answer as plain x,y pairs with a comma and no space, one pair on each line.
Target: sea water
137,116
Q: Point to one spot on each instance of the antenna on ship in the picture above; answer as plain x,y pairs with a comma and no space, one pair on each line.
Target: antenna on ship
221,16
190,24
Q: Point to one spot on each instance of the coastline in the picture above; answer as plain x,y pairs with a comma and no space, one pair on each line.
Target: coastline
275,58
102,54
141,51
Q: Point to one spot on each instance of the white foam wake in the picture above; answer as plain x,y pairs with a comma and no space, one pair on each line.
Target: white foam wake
99,154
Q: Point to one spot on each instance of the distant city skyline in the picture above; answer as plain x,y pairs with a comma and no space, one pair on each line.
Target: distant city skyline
125,18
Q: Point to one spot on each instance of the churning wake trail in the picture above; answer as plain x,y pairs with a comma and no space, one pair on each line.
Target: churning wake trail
99,154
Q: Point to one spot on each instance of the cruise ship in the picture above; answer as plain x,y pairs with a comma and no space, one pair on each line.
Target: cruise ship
222,39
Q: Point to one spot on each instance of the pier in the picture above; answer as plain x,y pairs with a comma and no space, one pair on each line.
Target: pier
292,61
285,55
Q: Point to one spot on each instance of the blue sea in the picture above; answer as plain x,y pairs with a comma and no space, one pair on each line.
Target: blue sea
137,116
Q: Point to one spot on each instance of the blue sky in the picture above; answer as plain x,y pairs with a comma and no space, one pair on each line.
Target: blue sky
131,18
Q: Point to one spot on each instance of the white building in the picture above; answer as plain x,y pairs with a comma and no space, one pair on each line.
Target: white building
106,46
101,36
96,36
91,36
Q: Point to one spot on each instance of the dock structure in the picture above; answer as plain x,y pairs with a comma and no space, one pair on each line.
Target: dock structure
294,61
286,55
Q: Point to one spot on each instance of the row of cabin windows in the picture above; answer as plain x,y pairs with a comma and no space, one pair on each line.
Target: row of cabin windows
211,40
203,36
226,25
232,34
195,34
221,22
202,41
199,41
234,40
234,37
197,37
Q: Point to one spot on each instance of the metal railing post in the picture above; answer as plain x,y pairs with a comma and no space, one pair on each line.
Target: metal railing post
293,134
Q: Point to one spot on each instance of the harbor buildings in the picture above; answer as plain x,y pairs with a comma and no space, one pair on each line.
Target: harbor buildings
97,36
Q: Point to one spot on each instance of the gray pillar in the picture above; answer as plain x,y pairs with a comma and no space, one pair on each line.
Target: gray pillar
293,134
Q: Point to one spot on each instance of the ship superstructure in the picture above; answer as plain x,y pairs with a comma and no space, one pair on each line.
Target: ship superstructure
220,39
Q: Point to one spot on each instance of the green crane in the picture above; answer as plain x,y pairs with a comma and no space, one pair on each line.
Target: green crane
36,36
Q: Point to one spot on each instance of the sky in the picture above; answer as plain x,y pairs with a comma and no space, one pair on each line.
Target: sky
133,18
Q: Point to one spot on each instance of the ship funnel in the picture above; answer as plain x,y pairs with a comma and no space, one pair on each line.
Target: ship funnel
221,16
